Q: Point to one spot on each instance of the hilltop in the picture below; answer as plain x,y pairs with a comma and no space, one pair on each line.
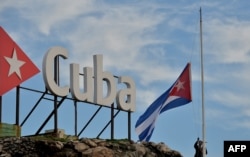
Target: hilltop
85,147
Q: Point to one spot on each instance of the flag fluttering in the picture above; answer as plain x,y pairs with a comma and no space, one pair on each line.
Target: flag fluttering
177,95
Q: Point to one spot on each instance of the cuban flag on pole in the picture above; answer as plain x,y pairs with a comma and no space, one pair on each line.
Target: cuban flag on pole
177,95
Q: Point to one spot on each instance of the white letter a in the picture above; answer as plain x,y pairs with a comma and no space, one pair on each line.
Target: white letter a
231,148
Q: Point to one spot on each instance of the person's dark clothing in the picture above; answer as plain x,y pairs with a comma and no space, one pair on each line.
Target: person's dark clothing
198,148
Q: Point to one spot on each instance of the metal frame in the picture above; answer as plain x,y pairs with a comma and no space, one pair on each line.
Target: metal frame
111,122
58,101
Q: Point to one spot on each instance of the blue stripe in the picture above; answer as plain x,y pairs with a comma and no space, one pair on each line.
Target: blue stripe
149,136
158,102
146,133
176,103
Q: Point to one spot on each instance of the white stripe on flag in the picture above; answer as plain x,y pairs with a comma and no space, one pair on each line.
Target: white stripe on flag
152,118
170,99
151,128
144,125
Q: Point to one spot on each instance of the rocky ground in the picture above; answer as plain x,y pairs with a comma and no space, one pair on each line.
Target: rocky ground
43,147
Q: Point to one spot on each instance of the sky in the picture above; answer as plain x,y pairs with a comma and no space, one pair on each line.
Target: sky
151,42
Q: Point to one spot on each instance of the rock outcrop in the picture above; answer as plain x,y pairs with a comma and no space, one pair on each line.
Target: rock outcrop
85,147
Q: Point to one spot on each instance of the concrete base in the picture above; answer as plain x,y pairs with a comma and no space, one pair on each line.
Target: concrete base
60,133
9,130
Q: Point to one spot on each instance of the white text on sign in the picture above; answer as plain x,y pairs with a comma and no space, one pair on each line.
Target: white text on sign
125,98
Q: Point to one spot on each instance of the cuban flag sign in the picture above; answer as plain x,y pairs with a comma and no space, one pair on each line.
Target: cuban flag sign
177,95
15,66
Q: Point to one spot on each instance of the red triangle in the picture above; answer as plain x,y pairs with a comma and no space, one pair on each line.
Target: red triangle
15,65
182,86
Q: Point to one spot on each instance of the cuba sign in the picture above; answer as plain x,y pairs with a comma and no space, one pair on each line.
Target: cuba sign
93,80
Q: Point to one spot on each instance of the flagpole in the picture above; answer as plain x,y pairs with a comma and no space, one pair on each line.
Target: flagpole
202,90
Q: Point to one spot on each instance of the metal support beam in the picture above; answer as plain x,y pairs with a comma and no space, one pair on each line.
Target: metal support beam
34,107
89,121
129,125
17,104
112,122
50,115
55,114
107,124
75,105
56,77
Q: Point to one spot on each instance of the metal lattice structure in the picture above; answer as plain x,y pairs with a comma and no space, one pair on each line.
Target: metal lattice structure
58,101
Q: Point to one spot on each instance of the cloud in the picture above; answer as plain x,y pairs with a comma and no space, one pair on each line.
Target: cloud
226,103
119,33
230,98
125,34
49,14
227,39
149,41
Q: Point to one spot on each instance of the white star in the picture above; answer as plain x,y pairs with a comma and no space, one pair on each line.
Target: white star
15,64
179,85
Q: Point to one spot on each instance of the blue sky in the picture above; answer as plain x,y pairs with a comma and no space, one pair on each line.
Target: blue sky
150,41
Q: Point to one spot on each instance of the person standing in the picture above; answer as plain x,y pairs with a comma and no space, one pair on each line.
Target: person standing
198,146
